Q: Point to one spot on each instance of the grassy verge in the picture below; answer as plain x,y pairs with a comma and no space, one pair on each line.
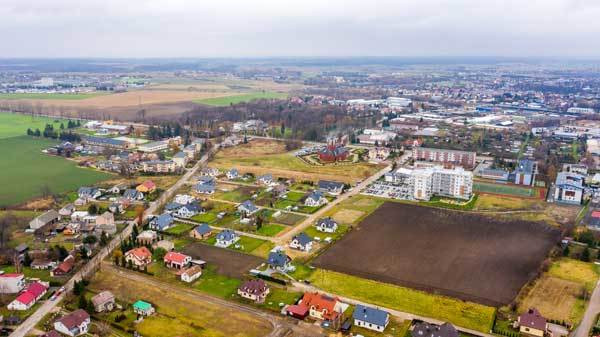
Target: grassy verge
465,314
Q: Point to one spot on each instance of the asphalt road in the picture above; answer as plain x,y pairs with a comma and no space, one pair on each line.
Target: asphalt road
589,317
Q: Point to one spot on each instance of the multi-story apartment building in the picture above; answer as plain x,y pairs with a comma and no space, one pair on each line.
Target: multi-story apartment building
158,166
462,158
424,183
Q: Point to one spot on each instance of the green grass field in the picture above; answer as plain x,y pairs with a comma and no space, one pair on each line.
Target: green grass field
503,189
13,125
465,314
235,99
51,96
25,171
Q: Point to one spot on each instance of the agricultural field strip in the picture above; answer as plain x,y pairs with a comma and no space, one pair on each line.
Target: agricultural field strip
137,277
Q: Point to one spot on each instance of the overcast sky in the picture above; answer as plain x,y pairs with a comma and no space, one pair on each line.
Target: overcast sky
246,28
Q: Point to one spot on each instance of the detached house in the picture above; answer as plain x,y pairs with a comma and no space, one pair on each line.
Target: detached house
247,207
104,301
74,324
232,174
370,318
532,323
331,187
29,297
201,232
425,329
326,225
189,210
88,193
162,222
266,179
146,187
64,267
133,195
191,274
205,188
226,238
315,199
255,290
143,308
177,260
301,242
106,223
278,260
322,307
139,257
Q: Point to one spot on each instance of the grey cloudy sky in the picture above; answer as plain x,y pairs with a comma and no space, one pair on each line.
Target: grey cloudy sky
241,28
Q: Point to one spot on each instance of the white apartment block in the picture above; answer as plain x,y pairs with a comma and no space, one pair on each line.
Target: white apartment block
424,183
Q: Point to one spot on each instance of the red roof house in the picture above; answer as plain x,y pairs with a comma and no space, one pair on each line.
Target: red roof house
139,257
64,267
177,260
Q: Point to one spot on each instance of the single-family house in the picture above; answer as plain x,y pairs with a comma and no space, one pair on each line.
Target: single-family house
371,318
233,174
532,323
424,329
29,297
278,260
139,256
189,210
315,199
106,223
143,308
147,237
66,210
88,193
226,238
177,260
133,195
65,267
172,207
201,231
301,242
210,171
147,186
322,307
116,207
103,301
255,290
204,188
42,263
47,218
191,274
74,324
118,188
326,225
184,199
209,180
161,222
266,179
331,187
247,207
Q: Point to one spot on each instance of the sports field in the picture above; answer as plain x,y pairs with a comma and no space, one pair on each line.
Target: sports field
26,171
13,125
228,100
51,96
503,189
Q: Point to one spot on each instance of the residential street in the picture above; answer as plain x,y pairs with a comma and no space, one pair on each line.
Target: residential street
589,318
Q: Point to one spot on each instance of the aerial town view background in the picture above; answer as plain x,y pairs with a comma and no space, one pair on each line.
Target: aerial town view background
309,195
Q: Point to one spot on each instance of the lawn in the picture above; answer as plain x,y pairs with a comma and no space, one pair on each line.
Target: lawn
235,99
498,203
208,217
13,125
270,229
216,284
27,171
503,189
576,271
464,314
51,96
180,228
248,244
277,296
